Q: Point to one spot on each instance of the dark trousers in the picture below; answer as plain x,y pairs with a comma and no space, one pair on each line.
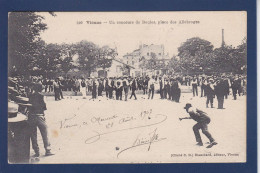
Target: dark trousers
226,96
99,91
234,91
60,93
45,88
239,91
161,93
110,92
133,93
204,128
39,121
145,90
118,94
107,92
50,88
169,93
195,90
220,101
151,91
90,88
126,93
176,94
227,93
209,100
202,90
94,93
57,94
165,93
78,89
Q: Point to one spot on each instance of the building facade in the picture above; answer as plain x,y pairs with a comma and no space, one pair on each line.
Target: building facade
138,57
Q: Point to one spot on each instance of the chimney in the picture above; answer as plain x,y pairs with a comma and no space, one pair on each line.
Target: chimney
223,42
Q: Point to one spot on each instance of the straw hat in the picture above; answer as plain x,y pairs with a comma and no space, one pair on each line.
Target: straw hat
24,101
13,114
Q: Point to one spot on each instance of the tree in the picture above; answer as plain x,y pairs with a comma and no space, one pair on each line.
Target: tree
87,55
194,54
68,51
193,46
49,59
152,62
223,59
105,56
174,65
241,56
66,64
90,56
24,29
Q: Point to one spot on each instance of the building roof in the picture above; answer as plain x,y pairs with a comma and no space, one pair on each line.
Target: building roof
123,63
128,54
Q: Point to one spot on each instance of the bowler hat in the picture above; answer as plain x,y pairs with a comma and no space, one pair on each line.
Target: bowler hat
187,106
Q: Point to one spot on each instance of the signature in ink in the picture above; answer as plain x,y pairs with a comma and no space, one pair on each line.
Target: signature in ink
140,141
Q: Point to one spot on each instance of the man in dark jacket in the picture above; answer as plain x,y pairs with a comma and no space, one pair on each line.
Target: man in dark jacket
161,82
134,87
202,120
56,87
220,93
110,87
235,87
100,87
36,119
145,85
119,88
176,92
60,89
210,93
125,87
226,85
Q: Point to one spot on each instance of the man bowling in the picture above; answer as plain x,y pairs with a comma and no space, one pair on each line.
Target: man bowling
202,123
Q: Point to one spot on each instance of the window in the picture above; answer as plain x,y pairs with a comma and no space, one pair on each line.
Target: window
148,53
159,53
133,62
126,62
118,69
137,73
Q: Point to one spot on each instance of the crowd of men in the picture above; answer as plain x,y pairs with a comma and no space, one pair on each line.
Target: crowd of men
115,87
125,87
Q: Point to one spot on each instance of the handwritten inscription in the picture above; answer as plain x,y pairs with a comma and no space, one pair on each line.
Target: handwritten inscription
102,125
145,140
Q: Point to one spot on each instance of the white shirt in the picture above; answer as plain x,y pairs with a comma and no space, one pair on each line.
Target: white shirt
151,81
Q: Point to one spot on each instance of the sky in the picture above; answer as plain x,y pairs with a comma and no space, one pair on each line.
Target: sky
65,28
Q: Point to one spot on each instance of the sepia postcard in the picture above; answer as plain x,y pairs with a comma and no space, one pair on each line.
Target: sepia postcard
127,87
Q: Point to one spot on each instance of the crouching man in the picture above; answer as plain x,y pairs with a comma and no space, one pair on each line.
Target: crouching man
202,120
